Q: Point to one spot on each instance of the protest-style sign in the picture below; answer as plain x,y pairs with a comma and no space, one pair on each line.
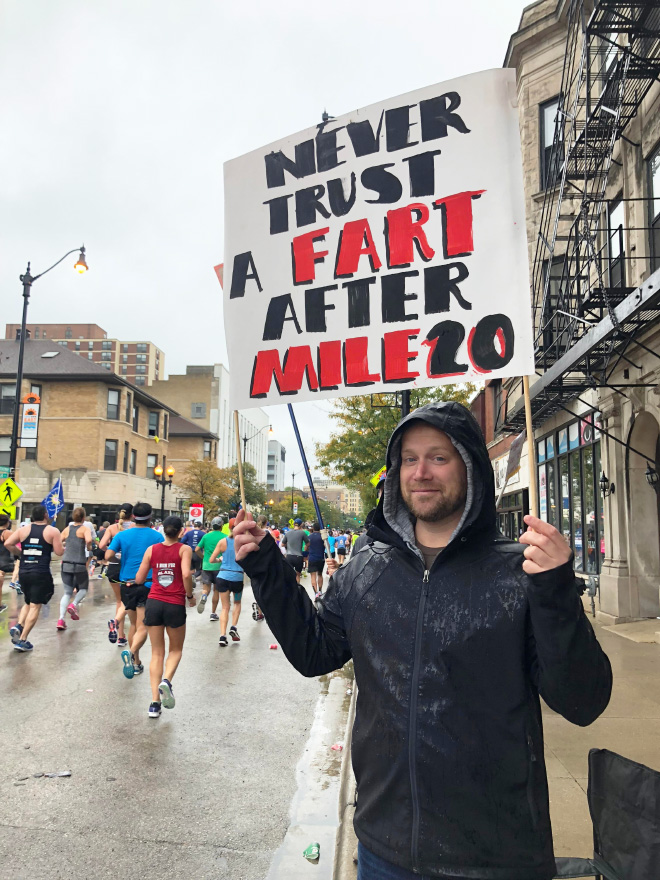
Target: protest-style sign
382,250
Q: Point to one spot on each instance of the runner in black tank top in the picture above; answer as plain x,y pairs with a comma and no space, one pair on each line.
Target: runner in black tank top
38,542
6,558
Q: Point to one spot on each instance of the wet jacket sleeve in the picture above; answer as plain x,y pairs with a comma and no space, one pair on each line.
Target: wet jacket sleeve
568,666
314,641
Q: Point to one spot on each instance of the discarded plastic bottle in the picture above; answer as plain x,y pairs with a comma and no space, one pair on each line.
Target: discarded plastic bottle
312,852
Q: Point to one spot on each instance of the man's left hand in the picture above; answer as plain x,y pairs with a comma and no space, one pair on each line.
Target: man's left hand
546,547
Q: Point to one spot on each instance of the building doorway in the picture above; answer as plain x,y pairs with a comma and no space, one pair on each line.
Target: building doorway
644,523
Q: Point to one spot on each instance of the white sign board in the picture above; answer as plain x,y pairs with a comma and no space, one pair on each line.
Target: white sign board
196,512
29,425
382,250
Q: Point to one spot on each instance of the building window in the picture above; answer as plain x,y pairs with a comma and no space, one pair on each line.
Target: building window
654,186
108,366
154,422
77,345
90,356
124,369
140,380
141,358
165,425
553,300
36,333
106,345
548,113
140,368
110,458
7,399
141,346
152,461
198,410
106,356
31,453
126,452
133,465
90,345
35,389
67,333
498,413
113,404
124,359
5,451
207,449
616,252
129,400
136,418
124,347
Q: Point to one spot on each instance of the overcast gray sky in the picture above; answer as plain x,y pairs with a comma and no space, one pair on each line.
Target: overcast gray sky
117,116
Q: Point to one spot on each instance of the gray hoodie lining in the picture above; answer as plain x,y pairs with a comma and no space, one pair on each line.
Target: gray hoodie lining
395,511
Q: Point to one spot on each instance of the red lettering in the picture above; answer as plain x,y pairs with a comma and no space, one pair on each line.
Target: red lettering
356,362
350,248
397,355
330,364
304,255
403,231
288,377
457,211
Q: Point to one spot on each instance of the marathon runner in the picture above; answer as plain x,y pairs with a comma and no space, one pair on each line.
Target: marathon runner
132,544
6,557
205,548
39,541
116,633
229,579
168,566
77,539
340,545
316,559
294,541
192,538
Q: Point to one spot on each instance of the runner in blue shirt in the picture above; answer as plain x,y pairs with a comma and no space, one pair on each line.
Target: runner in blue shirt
340,543
192,538
132,544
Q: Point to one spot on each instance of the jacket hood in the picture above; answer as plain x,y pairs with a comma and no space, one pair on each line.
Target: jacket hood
393,520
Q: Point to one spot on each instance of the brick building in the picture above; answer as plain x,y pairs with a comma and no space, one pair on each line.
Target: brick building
189,442
140,363
101,434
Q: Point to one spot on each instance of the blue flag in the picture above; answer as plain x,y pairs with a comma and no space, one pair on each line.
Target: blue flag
54,501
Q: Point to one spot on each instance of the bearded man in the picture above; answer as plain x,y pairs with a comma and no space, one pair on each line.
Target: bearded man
455,633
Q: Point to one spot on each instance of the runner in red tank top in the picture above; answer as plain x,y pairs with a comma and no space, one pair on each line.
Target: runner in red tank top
172,583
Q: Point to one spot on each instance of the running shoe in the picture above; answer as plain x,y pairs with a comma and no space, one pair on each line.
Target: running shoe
129,670
112,635
154,710
100,576
233,633
138,668
122,643
201,605
318,594
3,608
15,633
73,611
61,624
213,616
223,642
257,613
166,694
23,646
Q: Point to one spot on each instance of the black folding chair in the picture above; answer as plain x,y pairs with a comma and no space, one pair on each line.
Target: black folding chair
624,802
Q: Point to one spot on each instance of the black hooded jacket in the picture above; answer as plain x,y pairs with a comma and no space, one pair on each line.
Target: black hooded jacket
447,742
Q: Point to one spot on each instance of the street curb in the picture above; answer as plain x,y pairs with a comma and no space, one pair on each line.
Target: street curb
344,866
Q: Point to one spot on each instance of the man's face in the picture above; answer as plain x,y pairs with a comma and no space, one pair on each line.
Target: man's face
433,476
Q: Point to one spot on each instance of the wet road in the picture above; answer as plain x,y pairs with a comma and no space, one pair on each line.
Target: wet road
204,791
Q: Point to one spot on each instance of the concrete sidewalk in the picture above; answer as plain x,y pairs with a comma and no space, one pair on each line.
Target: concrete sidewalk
629,726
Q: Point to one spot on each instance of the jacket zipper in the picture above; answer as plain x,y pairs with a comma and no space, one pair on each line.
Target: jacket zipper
412,726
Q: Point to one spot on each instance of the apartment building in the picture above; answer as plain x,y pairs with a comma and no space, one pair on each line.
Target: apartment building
276,466
140,363
100,434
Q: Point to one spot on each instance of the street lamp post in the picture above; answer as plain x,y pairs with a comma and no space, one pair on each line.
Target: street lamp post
246,439
28,280
163,481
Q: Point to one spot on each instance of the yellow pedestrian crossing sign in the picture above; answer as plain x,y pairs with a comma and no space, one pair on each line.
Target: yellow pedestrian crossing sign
10,492
9,510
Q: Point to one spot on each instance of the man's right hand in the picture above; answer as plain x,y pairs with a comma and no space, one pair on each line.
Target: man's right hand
247,535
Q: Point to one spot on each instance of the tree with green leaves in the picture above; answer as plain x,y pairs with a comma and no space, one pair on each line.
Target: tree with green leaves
255,492
203,483
356,449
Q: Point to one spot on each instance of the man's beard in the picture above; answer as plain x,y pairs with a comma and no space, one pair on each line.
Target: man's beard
446,505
